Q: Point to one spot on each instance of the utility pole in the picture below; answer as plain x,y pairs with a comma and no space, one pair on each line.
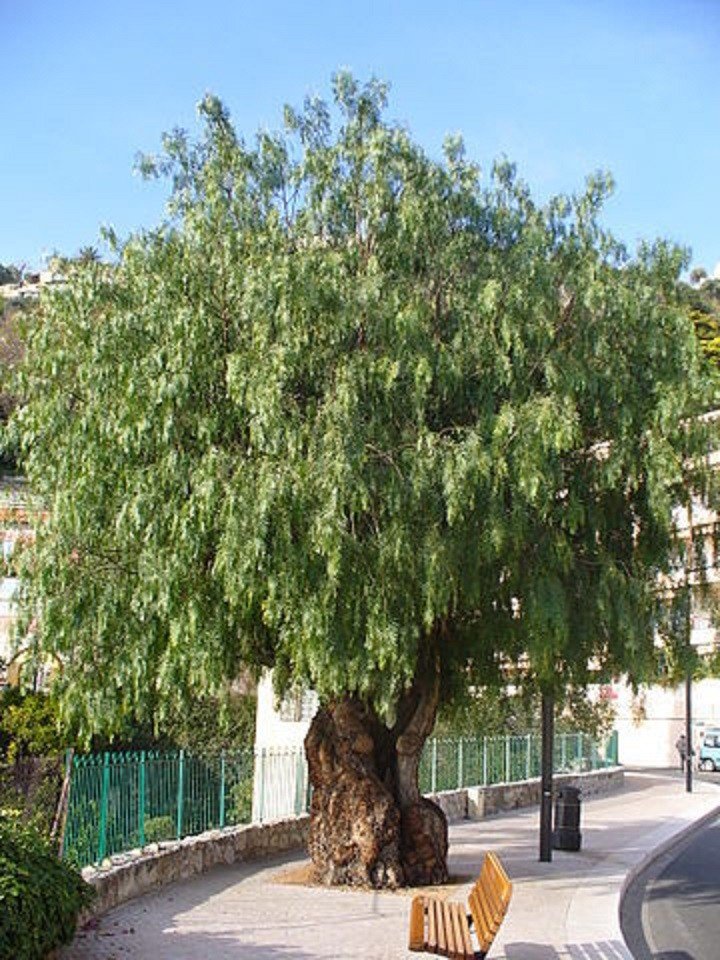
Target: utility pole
546,777
688,730
688,665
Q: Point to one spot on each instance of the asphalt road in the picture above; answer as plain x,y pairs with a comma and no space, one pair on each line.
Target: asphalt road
670,911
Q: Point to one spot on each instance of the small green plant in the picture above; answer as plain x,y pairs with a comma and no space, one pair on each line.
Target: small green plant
240,807
40,896
159,828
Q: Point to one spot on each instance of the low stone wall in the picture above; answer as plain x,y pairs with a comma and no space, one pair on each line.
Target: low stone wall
474,803
129,875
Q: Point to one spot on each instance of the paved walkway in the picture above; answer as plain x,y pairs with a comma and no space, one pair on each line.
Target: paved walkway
565,910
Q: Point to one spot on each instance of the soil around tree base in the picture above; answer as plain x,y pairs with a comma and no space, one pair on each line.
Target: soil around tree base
303,875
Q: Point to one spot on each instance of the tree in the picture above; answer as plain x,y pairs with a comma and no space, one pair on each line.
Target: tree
12,322
88,254
353,415
9,273
703,301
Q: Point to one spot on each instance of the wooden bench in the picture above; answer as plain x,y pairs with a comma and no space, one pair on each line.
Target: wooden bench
444,927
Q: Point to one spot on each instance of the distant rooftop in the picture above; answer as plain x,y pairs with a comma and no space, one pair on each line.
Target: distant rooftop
30,286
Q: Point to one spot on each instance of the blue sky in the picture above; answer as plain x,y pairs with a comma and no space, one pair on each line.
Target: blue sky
561,88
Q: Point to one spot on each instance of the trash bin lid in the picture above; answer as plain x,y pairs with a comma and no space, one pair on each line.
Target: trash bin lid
569,793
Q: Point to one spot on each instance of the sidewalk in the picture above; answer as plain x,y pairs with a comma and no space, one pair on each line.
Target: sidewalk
564,910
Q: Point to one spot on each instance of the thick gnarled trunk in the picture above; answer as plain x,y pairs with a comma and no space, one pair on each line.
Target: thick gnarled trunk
369,825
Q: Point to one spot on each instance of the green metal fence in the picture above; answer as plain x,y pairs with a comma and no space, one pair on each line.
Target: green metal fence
121,801
447,764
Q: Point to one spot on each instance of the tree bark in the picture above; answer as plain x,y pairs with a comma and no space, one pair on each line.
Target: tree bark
369,824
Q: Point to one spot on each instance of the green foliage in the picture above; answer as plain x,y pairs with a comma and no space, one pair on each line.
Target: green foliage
580,713
9,273
31,761
13,322
40,897
240,801
207,726
29,725
703,302
30,789
499,712
347,408
160,828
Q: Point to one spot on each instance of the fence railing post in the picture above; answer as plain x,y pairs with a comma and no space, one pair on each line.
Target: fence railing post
221,811
141,800
528,747
485,765
299,782
104,797
507,760
261,803
180,792
563,751
433,767
611,752
460,759
308,787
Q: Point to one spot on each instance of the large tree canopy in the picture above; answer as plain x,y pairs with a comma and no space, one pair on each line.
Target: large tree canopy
352,413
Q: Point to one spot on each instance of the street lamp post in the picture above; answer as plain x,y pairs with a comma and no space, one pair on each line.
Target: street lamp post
546,777
688,731
688,666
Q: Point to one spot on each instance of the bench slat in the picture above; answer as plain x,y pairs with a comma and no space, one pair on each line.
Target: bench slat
491,900
463,944
465,928
440,927
447,912
489,881
454,941
499,876
432,928
502,879
482,920
417,924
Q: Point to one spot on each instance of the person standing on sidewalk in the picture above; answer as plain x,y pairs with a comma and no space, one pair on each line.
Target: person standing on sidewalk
681,747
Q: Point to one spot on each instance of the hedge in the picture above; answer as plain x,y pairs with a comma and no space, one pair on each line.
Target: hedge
40,897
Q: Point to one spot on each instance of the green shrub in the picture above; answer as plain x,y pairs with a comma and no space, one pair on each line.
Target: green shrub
240,807
30,789
160,828
40,897
29,725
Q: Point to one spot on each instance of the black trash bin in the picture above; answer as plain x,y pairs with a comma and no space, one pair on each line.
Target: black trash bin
566,835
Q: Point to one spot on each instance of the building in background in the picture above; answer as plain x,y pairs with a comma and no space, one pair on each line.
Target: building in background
280,783
17,519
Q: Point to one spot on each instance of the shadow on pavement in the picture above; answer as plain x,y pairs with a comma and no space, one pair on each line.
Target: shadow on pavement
187,946
673,955
597,950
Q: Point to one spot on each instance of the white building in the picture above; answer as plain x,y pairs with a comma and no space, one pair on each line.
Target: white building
16,525
650,722
280,784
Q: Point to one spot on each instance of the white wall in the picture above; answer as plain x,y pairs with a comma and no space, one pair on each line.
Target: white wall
8,589
280,781
649,724
270,729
